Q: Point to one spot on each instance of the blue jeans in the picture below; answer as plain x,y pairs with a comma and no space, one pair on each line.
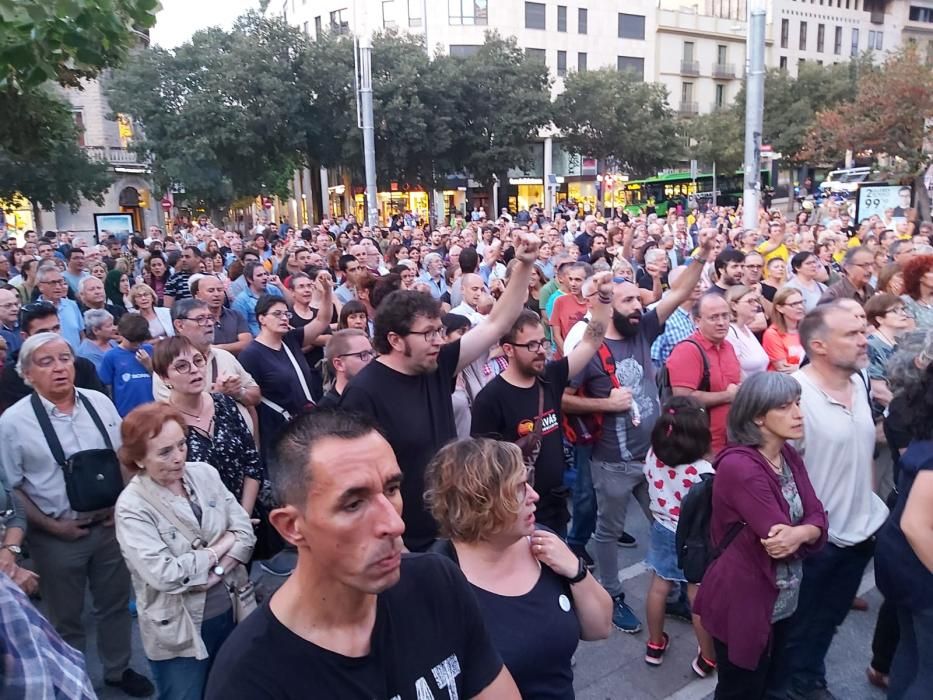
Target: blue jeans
584,499
184,678
831,578
912,670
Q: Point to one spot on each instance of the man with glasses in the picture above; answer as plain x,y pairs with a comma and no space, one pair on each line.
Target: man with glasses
902,251
408,388
231,332
192,318
857,268
259,282
53,288
524,400
347,352
9,319
72,551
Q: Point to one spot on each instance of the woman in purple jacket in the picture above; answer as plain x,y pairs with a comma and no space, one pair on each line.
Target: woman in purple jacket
761,488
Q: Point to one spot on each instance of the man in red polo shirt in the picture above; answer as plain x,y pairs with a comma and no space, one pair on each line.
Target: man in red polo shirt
685,365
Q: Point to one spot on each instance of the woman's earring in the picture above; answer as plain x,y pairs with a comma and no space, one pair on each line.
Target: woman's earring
169,386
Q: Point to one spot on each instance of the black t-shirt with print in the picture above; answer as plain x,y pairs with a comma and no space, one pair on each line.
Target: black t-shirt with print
507,412
417,418
428,635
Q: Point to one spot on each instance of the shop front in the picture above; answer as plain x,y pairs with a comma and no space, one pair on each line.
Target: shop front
525,192
393,202
16,217
582,191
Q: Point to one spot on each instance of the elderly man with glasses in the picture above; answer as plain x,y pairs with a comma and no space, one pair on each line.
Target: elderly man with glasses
858,267
54,289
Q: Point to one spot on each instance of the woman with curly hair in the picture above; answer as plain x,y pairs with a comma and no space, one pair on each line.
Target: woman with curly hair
918,290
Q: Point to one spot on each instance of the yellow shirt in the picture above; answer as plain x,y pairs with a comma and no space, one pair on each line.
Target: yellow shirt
779,252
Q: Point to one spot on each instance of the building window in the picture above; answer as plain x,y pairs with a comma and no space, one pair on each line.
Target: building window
631,26
535,15
821,37
388,8
837,42
463,50
722,54
803,36
929,51
415,8
783,62
785,32
317,27
582,19
307,29
632,64
581,61
854,49
688,52
340,21
561,63
79,124
562,18
720,96
537,55
875,40
468,12
921,14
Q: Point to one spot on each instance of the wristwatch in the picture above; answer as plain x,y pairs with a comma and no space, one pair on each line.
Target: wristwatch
219,570
581,572
15,548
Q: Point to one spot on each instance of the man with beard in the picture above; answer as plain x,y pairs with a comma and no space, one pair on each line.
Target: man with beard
730,269
627,401
524,401
408,388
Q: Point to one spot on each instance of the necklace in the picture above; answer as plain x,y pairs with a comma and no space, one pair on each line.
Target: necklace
777,468
196,416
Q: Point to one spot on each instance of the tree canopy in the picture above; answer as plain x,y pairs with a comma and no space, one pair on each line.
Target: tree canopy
614,116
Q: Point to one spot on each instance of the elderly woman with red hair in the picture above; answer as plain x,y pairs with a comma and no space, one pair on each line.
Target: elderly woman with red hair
918,290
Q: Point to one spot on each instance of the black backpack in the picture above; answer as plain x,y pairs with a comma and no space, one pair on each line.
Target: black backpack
664,376
695,550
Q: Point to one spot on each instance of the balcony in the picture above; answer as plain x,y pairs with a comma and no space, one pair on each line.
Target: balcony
689,67
724,71
121,159
688,109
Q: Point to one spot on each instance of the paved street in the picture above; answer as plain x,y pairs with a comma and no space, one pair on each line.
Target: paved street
614,669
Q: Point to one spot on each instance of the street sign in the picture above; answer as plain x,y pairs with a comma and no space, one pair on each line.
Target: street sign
166,203
693,170
267,202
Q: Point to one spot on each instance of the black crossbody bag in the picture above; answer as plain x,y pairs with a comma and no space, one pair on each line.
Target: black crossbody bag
93,479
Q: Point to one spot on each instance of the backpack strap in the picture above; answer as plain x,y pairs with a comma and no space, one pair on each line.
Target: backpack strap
704,382
608,363
55,446
732,533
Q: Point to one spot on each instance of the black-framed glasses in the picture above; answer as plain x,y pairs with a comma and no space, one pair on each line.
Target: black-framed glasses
200,320
362,355
281,314
430,335
184,366
531,345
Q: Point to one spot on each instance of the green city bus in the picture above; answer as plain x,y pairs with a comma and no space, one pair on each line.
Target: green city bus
669,189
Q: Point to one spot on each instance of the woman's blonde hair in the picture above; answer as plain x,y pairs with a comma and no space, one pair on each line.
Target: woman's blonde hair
780,299
472,488
142,288
734,294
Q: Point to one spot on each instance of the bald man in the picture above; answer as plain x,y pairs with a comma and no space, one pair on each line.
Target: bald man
628,402
472,290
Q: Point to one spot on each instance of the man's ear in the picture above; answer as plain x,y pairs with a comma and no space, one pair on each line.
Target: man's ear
286,521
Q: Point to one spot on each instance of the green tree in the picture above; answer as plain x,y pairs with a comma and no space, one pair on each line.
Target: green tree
613,116
66,41
219,115
40,158
715,138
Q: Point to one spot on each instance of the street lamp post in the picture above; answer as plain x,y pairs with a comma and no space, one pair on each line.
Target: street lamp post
754,111
366,124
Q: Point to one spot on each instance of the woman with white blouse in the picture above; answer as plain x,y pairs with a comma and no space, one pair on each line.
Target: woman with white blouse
745,304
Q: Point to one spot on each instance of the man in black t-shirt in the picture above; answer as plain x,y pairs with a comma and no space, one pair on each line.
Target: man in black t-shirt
508,407
357,618
408,388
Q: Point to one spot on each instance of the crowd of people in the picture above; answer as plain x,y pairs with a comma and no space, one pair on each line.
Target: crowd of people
431,436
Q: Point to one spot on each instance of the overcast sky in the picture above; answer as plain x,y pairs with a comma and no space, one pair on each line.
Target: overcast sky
179,19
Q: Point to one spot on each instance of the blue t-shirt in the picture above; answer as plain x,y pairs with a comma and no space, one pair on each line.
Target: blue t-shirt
131,384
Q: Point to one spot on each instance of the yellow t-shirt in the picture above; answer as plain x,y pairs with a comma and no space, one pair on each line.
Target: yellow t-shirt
779,252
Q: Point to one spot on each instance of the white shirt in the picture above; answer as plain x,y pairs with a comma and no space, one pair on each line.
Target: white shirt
463,309
575,334
752,357
838,448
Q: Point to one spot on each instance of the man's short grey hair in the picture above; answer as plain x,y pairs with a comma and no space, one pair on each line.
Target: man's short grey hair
913,349
758,394
84,281
852,252
183,307
94,320
654,254
431,257
29,347
45,269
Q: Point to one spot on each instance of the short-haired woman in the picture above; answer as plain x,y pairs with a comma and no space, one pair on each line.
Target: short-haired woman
781,340
354,315
745,303
537,597
887,321
100,336
185,539
217,431
807,278
764,502
918,290
159,318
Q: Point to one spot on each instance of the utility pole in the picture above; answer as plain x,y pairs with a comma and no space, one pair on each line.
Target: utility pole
365,122
754,110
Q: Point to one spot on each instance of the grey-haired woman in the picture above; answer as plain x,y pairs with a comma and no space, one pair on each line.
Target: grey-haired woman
100,335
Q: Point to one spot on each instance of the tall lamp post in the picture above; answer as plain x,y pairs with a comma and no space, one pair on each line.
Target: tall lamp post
365,103
754,110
